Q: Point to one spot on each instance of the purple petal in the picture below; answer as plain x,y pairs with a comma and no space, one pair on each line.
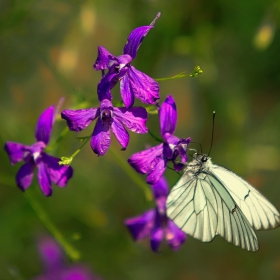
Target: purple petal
160,190
15,151
78,120
140,85
123,60
182,147
157,173
126,92
140,226
120,132
113,65
170,146
106,105
44,179
100,140
134,119
145,161
178,166
135,39
168,116
175,147
171,140
105,85
156,238
59,174
50,253
44,125
175,237
103,59
25,175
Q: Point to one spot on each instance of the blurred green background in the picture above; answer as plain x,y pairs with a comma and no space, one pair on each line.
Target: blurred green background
47,50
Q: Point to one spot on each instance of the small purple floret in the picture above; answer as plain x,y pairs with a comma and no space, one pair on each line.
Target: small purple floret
155,224
133,83
49,171
109,118
153,161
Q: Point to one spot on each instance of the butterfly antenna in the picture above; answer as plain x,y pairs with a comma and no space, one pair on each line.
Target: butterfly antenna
191,156
212,137
197,144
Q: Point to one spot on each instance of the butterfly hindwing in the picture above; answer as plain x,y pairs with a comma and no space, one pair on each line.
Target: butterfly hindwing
260,213
232,223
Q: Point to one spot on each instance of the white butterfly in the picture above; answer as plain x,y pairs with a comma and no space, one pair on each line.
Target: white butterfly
209,200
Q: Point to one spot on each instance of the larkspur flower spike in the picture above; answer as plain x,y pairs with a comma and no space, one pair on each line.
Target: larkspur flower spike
133,83
153,161
109,118
49,171
154,223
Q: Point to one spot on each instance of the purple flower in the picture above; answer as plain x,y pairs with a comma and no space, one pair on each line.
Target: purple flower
132,81
49,171
55,269
109,118
154,223
153,161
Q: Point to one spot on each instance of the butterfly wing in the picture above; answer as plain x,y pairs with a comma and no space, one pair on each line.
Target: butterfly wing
201,206
260,213
192,205
232,223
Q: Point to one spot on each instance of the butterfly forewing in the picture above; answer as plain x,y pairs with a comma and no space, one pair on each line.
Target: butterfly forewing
193,207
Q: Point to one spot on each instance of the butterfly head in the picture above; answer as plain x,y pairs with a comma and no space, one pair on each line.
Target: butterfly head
202,158
200,163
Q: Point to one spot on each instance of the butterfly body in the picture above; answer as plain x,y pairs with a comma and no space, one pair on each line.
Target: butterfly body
211,200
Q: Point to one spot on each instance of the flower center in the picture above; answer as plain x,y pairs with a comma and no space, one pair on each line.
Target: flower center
177,150
175,153
33,153
107,116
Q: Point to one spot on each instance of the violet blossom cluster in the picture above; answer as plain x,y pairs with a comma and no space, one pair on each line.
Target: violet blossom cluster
49,170
155,224
133,83
152,162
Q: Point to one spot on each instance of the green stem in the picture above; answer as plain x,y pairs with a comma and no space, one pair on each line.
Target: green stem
178,76
132,174
59,138
86,139
62,135
68,160
72,253
196,72
45,219
155,137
